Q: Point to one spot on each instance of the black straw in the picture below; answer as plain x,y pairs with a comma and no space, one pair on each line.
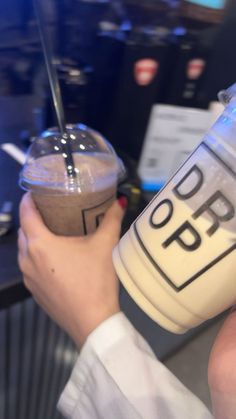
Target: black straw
55,90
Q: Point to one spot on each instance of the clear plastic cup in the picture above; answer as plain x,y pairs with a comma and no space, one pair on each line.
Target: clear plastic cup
72,206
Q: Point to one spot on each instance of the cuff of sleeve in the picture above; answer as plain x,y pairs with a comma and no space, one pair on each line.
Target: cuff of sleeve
98,342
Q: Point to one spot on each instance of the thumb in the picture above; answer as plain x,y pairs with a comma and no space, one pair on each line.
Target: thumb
111,224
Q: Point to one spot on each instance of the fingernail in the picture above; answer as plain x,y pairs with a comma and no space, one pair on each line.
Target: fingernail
123,202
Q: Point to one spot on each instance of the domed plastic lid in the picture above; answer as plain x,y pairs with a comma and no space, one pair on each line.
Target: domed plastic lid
96,164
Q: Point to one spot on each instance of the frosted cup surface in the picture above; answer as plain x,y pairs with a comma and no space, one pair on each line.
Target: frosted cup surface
178,259
72,206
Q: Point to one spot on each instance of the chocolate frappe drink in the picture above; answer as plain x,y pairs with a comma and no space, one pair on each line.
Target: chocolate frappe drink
72,206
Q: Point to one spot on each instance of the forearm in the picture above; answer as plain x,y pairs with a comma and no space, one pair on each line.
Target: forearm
224,405
117,375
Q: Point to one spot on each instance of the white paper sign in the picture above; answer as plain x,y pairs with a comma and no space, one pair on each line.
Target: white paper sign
173,132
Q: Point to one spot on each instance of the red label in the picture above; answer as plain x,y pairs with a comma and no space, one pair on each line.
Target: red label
195,68
145,70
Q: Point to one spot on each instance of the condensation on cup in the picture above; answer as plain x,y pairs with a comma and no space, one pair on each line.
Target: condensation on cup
178,259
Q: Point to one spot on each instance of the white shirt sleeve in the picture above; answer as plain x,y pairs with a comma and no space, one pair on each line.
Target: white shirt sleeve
117,376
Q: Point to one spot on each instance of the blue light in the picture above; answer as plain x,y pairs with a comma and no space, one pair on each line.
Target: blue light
152,187
214,4
180,31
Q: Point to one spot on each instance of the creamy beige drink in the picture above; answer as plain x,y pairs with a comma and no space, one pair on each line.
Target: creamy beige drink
175,292
72,205
178,260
